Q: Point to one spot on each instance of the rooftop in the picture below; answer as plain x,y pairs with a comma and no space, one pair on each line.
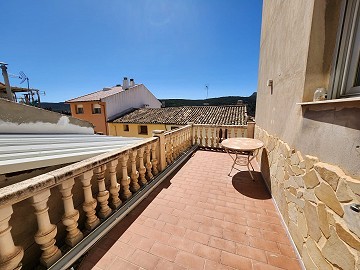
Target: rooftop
98,95
199,218
216,115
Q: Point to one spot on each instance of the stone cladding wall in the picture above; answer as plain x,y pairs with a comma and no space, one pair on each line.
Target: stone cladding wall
314,199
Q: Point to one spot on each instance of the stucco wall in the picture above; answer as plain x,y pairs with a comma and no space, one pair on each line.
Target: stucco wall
135,97
117,129
296,51
98,120
21,118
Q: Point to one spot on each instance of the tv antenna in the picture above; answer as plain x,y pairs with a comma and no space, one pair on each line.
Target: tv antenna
22,77
207,90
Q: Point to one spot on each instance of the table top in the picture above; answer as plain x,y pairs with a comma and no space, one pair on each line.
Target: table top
242,144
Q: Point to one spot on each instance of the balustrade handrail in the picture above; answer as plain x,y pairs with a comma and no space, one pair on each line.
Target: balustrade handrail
219,126
178,130
25,189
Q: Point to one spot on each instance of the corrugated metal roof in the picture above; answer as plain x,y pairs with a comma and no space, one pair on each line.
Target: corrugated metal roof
19,152
216,115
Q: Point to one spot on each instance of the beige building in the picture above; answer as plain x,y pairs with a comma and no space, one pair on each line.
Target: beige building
142,122
110,102
311,161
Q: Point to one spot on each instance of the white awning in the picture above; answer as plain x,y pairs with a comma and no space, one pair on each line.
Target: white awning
19,152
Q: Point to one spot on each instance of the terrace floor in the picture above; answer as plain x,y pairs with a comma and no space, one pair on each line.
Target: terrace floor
200,218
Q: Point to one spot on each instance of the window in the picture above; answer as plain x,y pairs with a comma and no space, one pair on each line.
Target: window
126,127
96,109
346,72
143,130
79,109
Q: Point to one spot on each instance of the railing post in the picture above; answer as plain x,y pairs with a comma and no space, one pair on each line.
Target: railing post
134,176
90,203
250,129
71,215
45,236
162,157
125,181
154,160
142,168
10,255
114,185
103,195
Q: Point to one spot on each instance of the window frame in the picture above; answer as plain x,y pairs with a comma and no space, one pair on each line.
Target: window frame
79,109
126,127
347,53
140,131
96,109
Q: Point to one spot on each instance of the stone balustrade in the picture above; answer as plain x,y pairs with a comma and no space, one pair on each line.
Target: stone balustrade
211,136
69,202
52,212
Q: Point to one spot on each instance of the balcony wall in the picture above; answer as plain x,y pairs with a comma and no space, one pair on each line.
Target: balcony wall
41,218
314,199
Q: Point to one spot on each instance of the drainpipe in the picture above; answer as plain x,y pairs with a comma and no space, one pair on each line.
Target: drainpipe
6,80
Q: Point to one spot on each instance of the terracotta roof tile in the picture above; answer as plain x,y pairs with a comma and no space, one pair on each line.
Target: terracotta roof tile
98,95
217,115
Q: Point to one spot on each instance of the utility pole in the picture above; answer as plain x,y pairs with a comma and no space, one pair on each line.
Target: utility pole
6,80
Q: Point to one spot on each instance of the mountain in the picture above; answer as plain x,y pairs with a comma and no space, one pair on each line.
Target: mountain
230,100
59,107
250,101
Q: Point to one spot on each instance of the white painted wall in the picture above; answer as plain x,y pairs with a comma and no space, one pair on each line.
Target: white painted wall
135,97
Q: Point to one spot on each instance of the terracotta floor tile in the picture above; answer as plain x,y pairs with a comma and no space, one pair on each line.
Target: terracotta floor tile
122,250
164,251
235,261
141,242
250,252
121,264
181,243
166,265
174,229
144,259
283,262
201,219
222,244
189,260
211,265
207,252
197,236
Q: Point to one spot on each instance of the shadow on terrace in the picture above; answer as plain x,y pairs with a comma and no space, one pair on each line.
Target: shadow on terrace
177,209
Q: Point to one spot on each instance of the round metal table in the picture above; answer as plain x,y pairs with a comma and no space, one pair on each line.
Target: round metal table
240,147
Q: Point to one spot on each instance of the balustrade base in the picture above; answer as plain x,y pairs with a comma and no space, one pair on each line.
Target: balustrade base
47,262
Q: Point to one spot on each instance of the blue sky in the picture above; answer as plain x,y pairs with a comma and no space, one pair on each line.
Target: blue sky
69,48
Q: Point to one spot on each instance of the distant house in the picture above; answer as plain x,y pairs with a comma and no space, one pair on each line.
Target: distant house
110,102
141,122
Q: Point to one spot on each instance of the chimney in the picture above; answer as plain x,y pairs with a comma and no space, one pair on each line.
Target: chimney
132,83
125,83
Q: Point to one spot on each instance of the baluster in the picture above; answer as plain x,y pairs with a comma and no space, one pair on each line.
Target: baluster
10,255
134,185
45,236
206,136
103,194
142,168
114,185
148,164
217,139
125,181
90,203
212,137
154,160
172,148
196,135
168,151
236,131
71,215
